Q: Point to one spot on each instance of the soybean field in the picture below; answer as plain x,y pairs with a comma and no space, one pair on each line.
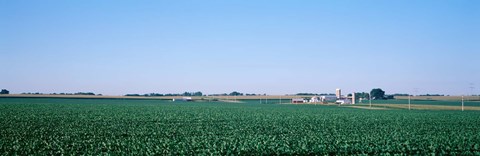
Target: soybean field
55,126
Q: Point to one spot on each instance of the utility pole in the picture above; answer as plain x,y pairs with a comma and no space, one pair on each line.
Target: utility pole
409,99
370,98
462,103
266,99
472,87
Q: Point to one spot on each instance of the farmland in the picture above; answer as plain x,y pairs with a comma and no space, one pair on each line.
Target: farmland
426,103
57,126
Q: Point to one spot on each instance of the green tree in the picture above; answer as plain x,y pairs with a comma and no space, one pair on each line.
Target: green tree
187,94
235,93
362,95
377,94
4,91
198,93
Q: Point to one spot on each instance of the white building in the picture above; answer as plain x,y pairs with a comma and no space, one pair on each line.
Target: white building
326,98
183,99
344,101
338,93
315,99
299,100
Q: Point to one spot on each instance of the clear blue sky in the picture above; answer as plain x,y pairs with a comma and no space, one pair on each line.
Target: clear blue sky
252,46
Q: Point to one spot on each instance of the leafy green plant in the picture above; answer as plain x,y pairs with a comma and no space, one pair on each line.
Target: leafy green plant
148,127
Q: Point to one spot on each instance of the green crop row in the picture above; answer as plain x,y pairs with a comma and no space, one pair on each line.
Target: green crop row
147,127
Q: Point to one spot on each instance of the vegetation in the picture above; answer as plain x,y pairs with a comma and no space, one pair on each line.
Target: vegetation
400,94
132,94
377,94
84,93
431,95
192,94
4,91
235,93
170,94
362,95
78,93
426,102
48,126
313,94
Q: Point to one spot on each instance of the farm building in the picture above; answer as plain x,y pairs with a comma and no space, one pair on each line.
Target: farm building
344,101
299,100
338,93
183,99
327,98
349,100
322,99
315,99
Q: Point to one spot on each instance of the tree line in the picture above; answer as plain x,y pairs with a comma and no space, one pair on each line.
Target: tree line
78,93
376,94
314,94
4,91
169,94
234,93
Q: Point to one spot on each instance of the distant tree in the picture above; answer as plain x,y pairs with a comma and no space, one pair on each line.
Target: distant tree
400,94
170,94
132,95
432,95
154,94
4,91
362,95
389,97
326,94
377,94
235,93
187,94
198,93
84,93
307,94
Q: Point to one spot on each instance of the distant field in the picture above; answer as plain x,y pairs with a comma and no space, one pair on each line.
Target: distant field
426,102
155,97
444,98
289,97
56,126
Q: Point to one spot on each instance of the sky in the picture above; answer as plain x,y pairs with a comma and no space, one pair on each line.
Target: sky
252,46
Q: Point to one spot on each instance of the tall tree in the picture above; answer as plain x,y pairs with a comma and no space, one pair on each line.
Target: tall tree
4,91
198,93
235,93
377,94
362,95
